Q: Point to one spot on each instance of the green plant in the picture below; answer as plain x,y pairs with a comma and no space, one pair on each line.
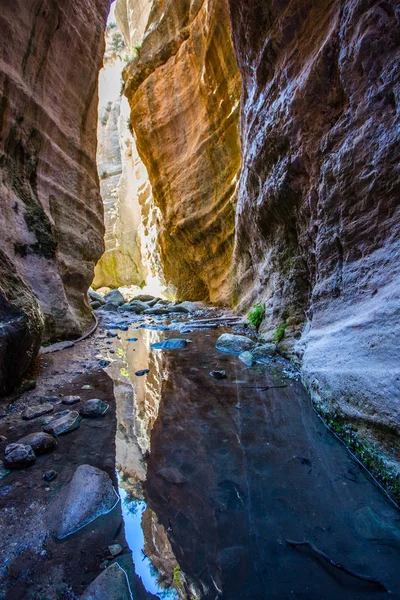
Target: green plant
256,314
279,333
109,106
177,578
103,174
104,119
117,42
111,26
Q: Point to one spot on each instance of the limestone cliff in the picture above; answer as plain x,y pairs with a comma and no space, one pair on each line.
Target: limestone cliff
183,88
317,224
51,226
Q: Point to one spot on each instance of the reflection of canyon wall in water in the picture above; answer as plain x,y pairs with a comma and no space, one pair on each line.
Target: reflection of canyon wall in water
131,219
184,89
51,213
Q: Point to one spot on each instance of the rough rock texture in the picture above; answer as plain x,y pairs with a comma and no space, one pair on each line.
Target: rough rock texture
183,90
317,225
21,326
51,212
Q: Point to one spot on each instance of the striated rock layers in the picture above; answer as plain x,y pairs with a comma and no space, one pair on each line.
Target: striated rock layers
317,224
184,89
51,213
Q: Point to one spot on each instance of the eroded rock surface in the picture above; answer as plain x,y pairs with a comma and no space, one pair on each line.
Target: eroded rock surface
317,224
184,89
51,213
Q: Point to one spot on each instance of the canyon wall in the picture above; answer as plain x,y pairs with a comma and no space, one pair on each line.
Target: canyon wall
51,228
183,88
317,223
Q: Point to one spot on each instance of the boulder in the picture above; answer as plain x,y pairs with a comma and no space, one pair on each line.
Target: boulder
247,358
18,456
144,298
94,408
263,353
234,344
38,410
110,307
136,307
96,297
64,422
88,495
115,297
112,583
40,442
171,344
189,307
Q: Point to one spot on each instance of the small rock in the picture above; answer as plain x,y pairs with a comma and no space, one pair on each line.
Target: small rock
104,363
144,298
71,400
18,456
110,307
40,442
142,372
87,387
132,340
218,374
64,422
135,307
95,305
171,344
96,297
48,399
94,408
115,549
234,344
37,411
157,310
115,297
247,358
50,476
112,334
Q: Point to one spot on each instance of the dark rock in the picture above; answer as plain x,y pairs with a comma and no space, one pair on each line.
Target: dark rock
96,297
111,334
2,413
218,374
104,363
48,399
132,339
115,297
50,475
142,372
71,400
112,583
144,298
134,307
63,423
115,549
264,353
94,408
37,411
171,344
89,495
95,305
40,442
18,456
110,307
234,344
157,310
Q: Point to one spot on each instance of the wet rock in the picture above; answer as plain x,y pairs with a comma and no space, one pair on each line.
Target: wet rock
132,340
18,456
234,344
87,387
96,297
111,334
71,400
179,309
95,305
152,303
3,470
63,423
264,353
218,374
190,307
94,408
145,298
37,411
50,475
134,307
115,297
171,344
115,549
172,475
104,363
110,307
247,358
2,413
112,583
142,372
157,310
40,442
48,399
89,495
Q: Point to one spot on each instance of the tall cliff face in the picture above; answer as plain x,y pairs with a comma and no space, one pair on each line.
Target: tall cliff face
317,224
51,226
184,89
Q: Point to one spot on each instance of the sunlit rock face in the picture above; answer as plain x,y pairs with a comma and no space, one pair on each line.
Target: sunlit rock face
317,224
184,90
51,225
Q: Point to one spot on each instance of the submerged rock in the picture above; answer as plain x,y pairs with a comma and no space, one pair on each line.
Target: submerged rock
234,344
94,408
112,583
115,297
37,411
171,344
18,456
247,358
88,495
63,423
40,442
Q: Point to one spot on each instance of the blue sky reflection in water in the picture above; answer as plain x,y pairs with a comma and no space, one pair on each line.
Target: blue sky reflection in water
132,511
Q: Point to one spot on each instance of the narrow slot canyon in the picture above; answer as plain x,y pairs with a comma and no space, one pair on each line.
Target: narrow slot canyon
199,299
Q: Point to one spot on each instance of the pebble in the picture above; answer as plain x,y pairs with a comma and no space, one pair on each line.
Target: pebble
50,475
115,549
142,372
71,399
104,363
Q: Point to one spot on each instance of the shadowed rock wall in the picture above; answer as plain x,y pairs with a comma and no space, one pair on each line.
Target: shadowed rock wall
51,228
184,89
317,223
